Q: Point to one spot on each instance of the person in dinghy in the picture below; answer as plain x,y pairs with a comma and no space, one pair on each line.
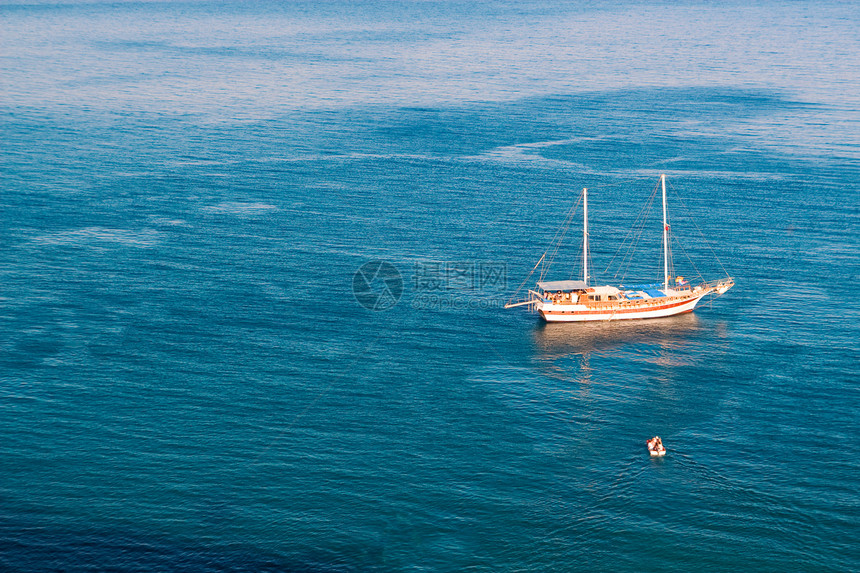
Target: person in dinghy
655,446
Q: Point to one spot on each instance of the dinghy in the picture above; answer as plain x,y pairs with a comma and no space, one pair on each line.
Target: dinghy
655,447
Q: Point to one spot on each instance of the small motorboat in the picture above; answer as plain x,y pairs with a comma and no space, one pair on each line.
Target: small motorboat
655,447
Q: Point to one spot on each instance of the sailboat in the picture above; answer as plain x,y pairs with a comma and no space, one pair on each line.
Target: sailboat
578,301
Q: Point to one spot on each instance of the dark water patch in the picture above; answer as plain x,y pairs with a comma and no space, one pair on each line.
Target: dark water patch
30,547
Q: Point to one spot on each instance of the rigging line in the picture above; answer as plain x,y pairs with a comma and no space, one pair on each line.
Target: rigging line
576,264
641,217
693,220
623,242
670,257
519,288
634,245
683,250
556,241
567,224
551,259
591,272
639,230
576,270
643,229
559,234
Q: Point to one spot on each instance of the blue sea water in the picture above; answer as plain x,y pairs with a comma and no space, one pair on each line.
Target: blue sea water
189,383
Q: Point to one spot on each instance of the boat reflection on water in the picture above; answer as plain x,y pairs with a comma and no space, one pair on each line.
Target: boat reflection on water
663,341
554,340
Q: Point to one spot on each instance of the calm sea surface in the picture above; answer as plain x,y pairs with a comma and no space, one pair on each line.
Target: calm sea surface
189,383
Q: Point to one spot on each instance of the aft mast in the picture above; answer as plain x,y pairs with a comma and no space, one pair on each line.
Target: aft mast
585,236
665,238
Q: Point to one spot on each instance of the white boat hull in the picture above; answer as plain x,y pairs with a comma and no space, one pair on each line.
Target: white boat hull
654,308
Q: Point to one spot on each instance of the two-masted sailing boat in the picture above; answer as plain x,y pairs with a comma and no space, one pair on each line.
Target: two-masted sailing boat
577,301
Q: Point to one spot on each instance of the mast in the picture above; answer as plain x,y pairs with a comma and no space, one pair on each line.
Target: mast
585,236
665,238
